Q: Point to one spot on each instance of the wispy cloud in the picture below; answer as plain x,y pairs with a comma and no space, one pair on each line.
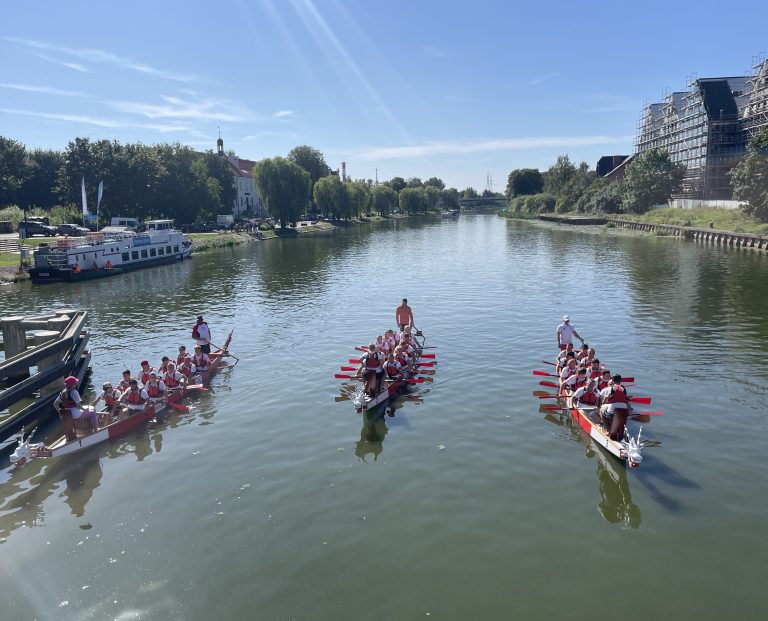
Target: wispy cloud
45,90
63,63
101,56
434,52
102,122
284,114
543,78
482,146
178,108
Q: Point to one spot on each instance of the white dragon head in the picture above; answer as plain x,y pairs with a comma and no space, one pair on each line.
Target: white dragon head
633,448
24,451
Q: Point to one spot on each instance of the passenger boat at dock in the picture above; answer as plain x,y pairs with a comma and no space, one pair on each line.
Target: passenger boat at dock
86,438
109,252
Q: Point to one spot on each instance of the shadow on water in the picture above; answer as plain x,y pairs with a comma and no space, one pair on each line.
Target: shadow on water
656,473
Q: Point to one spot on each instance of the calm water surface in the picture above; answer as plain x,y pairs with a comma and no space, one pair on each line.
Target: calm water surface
272,500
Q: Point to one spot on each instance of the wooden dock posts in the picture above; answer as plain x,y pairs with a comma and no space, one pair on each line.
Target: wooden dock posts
36,362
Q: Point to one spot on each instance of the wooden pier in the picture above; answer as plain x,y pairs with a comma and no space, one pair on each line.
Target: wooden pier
40,352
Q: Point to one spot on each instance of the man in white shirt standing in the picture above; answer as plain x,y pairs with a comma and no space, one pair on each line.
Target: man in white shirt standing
202,335
566,332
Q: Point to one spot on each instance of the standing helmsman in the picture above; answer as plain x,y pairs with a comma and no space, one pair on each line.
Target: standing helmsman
404,315
202,335
566,332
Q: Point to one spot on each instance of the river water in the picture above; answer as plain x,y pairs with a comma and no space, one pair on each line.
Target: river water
272,500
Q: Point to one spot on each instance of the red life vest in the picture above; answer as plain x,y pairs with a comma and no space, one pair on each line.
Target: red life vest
602,384
617,396
200,362
153,390
185,371
392,370
588,398
134,398
594,374
579,383
180,359
109,399
66,400
372,362
144,377
170,380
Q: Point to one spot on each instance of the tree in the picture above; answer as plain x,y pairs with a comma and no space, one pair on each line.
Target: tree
450,198
469,193
558,175
15,169
383,200
311,160
750,178
284,187
433,198
330,196
414,182
650,180
575,188
397,184
412,200
359,197
39,189
435,182
524,181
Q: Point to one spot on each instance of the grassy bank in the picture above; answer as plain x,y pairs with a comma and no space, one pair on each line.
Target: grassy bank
209,241
731,220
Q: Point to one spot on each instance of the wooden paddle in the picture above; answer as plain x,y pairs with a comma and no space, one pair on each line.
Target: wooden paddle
418,380
557,408
640,400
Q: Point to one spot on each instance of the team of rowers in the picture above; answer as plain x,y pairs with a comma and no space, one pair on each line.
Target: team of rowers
133,393
391,356
590,385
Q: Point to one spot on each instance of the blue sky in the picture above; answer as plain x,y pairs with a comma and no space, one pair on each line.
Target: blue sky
411,88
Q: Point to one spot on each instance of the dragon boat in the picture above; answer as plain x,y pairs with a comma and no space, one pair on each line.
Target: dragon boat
85,438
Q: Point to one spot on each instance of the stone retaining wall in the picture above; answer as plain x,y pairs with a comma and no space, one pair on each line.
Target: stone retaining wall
709,236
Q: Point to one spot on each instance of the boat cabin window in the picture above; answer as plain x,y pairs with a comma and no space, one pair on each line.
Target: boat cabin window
152,252
125,257
135,255
168,249
143,254
175,248
161,251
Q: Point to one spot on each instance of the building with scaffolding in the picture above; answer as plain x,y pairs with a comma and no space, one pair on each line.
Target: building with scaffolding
700,127
755,113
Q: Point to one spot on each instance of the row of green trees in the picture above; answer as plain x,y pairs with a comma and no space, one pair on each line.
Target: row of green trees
303,182
651,178
164,180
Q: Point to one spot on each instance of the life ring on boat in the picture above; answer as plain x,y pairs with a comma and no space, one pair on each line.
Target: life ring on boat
75,269
108,265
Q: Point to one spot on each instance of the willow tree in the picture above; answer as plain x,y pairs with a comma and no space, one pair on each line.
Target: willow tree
331,198
283,186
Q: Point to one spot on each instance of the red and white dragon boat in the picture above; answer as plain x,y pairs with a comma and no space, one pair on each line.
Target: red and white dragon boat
26,451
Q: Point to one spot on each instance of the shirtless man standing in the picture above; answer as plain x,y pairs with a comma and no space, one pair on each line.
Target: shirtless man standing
404,315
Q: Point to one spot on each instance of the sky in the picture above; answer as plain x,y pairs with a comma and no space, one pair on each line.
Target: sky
411,88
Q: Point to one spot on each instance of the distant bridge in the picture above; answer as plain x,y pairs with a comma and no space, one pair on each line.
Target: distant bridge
474,203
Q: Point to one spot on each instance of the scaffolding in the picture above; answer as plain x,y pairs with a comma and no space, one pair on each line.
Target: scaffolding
755,117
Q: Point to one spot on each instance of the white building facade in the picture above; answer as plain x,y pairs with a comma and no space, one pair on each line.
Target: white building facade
247,199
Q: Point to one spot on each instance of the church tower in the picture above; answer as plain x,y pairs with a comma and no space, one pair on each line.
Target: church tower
220,145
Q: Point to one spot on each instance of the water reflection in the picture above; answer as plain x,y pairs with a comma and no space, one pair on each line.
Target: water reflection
616,504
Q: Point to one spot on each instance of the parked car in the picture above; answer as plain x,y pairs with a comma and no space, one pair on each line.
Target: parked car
73,230
28,228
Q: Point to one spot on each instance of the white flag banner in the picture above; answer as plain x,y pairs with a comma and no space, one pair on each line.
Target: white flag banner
85,201
101,192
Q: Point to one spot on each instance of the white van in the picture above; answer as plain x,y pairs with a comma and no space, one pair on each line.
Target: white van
131,223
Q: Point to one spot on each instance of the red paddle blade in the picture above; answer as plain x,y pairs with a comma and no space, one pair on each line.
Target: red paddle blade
549,396
418,380
554,408
428,356
548,384
426,364
642,400
361,348
649,414
343,376
353,361
547,362
178,406
543,374
349,368
627,379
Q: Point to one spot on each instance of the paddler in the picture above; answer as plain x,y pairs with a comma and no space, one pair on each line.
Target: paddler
155,388
575,381
393,368
569,369
163,368
125,383
586,397
134,399
143,375
593,370
109,396
68,405
370,370
173,379
188,369
615,408
182,355
566,332
200,359
605,379
404,315
582,353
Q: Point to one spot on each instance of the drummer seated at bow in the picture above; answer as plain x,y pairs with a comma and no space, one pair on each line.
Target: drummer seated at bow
155,388
585,397
134,399
370,370
615,408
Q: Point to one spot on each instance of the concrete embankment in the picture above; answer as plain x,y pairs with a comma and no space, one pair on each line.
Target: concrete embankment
577,220
707,236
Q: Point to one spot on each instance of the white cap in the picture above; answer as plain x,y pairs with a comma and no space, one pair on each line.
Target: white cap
566,318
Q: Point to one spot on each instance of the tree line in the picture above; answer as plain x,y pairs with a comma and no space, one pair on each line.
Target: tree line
651,178
290,186
142,181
